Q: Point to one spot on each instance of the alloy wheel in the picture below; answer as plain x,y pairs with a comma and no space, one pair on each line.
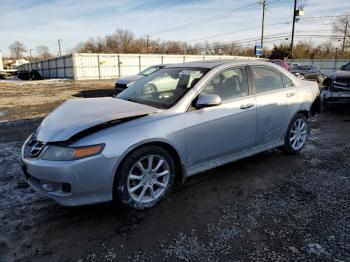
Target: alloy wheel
298,134
148,178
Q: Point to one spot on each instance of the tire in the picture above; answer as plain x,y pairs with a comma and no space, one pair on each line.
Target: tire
299,129
150,89
133,183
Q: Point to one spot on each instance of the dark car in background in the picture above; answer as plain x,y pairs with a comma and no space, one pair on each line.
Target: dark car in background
308,72
345,67
122,83
337,87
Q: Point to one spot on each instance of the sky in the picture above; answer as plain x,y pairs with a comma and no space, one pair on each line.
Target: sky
43,22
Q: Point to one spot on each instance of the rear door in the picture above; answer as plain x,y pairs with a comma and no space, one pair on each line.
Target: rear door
276,98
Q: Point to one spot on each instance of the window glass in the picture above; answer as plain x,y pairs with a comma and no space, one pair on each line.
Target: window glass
228,84
266,79
164,87
286,81
149,70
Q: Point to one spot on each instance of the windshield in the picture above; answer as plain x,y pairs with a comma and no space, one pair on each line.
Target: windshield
163,88
149,70
301,68
347,67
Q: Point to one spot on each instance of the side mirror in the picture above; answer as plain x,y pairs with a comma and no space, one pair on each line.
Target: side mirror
208,101
342,67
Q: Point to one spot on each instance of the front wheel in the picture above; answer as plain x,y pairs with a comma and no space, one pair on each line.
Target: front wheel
296,135
145,177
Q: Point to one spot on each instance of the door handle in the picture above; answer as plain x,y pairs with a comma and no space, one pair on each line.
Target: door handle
290,94
246,106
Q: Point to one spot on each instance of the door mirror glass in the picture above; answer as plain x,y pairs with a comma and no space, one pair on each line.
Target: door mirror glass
208,100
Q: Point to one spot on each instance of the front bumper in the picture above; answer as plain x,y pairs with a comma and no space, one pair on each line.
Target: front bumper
72,183
335,97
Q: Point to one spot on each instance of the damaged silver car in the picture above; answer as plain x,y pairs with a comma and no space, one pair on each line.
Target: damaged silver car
134,147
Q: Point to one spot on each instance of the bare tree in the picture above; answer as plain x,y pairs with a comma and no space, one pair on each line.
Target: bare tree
17,49
125,39
43,52
342,26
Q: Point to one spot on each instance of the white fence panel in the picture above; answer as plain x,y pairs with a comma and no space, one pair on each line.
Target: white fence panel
108,66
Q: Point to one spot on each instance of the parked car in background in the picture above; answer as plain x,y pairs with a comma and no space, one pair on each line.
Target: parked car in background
308,72
293,65
337,87
281,63
345,67
122,83
135,146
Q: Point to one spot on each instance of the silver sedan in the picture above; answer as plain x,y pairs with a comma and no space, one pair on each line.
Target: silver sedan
134,147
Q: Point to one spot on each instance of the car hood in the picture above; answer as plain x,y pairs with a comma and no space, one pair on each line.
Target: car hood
78,115
343,76
129,79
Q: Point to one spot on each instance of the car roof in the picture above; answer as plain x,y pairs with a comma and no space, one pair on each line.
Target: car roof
214,63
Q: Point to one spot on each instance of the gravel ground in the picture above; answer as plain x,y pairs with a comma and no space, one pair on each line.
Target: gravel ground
270,207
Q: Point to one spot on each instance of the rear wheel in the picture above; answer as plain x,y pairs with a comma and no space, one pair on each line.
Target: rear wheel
145,177
296,135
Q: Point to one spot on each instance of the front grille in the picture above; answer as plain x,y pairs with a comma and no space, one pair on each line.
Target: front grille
341,86
33,148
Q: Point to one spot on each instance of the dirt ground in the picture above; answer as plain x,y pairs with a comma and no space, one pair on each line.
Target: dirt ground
270,207
32,99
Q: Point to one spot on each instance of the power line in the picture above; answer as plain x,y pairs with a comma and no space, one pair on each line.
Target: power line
233,32
326,16
269,38
203,20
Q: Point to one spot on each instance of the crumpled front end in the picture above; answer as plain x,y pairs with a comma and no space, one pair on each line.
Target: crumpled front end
70,183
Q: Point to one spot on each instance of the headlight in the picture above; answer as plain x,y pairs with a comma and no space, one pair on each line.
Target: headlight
60,153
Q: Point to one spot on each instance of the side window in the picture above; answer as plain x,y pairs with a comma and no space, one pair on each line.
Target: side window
228,84
266,79
286,81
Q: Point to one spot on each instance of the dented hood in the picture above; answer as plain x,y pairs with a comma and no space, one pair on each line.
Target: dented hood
77,115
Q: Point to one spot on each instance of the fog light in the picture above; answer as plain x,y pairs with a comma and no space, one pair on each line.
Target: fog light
46,186
66,188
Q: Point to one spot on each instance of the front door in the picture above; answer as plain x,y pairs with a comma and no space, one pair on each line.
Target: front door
226,129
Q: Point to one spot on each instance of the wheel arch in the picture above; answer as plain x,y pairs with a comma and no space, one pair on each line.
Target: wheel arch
180,170
304,112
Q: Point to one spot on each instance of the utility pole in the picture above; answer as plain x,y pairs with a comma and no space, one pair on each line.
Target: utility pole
344,38
294,16
147,43
59,47
262,23
30,54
